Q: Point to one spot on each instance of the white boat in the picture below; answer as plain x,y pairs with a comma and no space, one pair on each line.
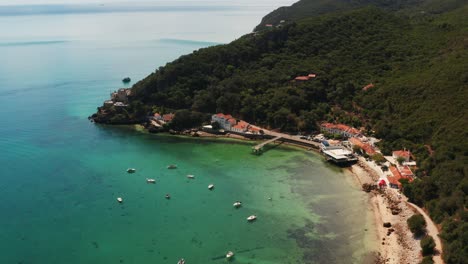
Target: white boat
230,254
119,199
237,204
172,166
211,186
181,261
190,176
168,196
251,218
150,180
131,170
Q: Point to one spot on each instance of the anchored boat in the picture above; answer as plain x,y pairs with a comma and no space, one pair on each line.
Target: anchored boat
211,187
172,166
119,199
190,176
229,255
252,218
150,180
237,204
131,170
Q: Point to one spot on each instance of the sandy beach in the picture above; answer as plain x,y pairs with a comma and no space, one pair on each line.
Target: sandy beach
397,244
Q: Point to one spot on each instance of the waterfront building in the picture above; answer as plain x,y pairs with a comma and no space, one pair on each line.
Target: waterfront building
226,122
340,129
366,147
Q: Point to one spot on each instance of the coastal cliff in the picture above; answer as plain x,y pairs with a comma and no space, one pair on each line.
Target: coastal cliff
399,71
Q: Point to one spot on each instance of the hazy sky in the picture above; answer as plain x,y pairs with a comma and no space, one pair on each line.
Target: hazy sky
202,2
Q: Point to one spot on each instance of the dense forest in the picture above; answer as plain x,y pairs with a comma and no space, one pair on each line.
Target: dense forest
415,53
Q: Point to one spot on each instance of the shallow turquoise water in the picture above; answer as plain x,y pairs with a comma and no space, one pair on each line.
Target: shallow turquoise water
61,175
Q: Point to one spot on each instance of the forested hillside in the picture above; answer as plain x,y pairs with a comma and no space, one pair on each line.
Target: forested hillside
417,61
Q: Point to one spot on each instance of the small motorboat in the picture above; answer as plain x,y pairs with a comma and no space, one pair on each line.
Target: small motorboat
190,176
126,80
131,170
211,187
150,180
168,196
237,204
119,199
181,261
229,255
252,218
172,166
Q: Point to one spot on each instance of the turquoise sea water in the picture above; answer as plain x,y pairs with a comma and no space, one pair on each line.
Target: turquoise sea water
61,175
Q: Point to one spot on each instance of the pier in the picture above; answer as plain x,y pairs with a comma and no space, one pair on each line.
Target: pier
259,148
275,136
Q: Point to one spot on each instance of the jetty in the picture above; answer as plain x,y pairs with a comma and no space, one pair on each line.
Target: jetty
281,137
259,148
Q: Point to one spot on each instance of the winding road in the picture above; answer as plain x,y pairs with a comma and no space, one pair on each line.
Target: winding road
432,231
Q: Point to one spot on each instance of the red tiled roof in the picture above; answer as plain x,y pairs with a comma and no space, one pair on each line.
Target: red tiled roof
241,125
268,25
366,147
168,117
311,75
221,115
157,115
232,121
302,78
396,175
367,87
406,171
341,127
402,153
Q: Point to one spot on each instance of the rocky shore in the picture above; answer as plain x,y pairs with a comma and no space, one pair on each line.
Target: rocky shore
391,211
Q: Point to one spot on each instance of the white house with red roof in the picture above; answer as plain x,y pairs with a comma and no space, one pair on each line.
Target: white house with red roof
405,154
340,129
226,122
240,127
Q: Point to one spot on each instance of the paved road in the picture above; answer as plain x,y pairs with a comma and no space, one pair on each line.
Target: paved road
432,231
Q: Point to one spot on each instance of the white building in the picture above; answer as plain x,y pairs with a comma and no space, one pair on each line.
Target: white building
226,122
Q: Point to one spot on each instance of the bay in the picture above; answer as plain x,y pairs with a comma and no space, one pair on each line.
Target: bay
61,174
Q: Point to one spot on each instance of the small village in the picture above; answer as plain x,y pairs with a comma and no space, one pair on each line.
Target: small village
339,143
352,147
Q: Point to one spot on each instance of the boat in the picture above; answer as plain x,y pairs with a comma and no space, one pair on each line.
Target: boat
172,166
168,196
252,218
230,254
237,204
131,170
126,80
181,261
150,180
119,199
190,176
211,186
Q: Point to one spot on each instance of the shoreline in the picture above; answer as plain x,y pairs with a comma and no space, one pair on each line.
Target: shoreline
394,247
399,245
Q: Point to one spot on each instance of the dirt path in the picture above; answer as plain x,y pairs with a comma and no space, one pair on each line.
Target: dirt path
432,231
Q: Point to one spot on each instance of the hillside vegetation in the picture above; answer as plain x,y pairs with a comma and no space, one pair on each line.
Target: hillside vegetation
416,59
